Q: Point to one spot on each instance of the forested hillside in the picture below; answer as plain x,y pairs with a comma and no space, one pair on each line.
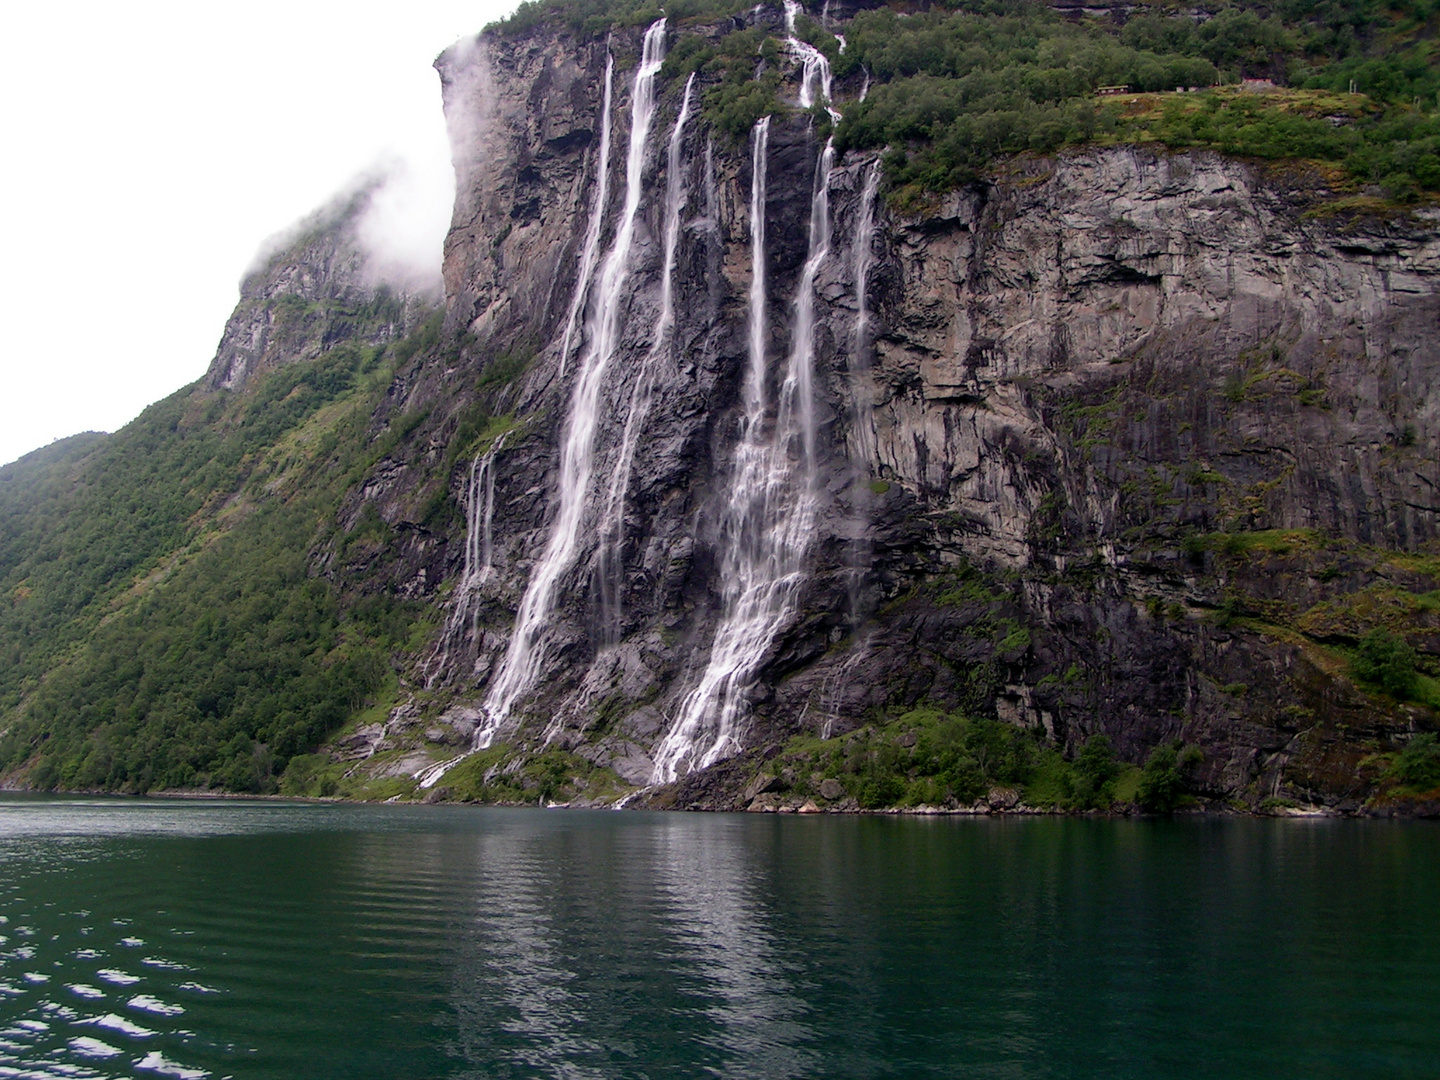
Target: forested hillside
162,623
950,87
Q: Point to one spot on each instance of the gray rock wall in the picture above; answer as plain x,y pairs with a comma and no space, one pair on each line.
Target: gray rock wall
1076,366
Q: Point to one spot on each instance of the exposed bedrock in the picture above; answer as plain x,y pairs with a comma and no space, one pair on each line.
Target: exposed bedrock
1072,378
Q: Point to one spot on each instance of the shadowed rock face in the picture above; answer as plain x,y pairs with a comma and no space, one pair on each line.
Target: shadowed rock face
1077,372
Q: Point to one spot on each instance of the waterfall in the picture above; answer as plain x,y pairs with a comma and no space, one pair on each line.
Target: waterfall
479,520
612,528
815,68
597,220
864,453
526,654
864,419
769,518
801,369
712,197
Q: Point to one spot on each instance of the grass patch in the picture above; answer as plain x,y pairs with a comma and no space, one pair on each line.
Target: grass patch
505,774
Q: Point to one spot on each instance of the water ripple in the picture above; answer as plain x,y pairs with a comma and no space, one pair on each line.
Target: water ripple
420,943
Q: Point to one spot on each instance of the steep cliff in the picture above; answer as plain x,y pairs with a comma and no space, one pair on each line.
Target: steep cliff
739,476
1126,442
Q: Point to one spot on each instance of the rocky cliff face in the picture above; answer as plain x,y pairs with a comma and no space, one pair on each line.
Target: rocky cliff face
315,290
1116,442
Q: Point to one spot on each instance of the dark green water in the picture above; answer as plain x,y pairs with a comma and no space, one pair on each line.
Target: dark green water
159,938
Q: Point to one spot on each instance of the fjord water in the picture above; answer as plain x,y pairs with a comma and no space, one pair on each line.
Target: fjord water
282,940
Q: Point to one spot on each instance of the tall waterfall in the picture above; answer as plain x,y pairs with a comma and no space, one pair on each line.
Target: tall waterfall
591,249
612,523
526,655
864,418
769,518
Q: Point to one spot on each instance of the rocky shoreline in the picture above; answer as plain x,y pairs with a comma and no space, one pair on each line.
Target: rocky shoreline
1000,803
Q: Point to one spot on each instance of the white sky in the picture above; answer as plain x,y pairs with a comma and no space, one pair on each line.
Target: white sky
149,149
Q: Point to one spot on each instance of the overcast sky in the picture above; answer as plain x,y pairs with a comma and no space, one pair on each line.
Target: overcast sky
151,147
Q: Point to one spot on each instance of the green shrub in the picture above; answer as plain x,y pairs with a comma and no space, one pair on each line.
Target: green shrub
1095,772
1417,766
1386,660
879,790
925,756
1163,783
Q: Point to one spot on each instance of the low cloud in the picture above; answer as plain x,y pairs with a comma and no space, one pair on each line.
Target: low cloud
396,213
402,229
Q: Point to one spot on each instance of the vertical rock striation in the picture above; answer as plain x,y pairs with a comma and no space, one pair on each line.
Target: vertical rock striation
990,475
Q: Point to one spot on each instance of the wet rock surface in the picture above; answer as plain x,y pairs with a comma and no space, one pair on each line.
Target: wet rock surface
1076,375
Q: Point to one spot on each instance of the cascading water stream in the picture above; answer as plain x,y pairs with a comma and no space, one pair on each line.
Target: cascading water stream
526,654
862,411
864,416
815,67
769,518
479,520
612,527
591,248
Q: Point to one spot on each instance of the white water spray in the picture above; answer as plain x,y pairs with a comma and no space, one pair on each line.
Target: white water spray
769,518
597,219
815,67
526,655
612,527
479,521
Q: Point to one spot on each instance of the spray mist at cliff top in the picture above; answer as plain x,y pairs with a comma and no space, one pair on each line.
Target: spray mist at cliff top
215,130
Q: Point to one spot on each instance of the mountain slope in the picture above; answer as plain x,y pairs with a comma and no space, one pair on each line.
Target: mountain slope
754,464
163,622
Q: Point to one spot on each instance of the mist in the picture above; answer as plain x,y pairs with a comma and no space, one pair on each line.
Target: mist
154,145
403,228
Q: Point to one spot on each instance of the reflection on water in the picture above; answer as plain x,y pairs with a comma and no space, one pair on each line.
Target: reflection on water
714,905
197,939
520,981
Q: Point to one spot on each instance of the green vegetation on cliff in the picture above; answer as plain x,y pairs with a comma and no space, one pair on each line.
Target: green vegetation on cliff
928,757
162,617
958,88
954,85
